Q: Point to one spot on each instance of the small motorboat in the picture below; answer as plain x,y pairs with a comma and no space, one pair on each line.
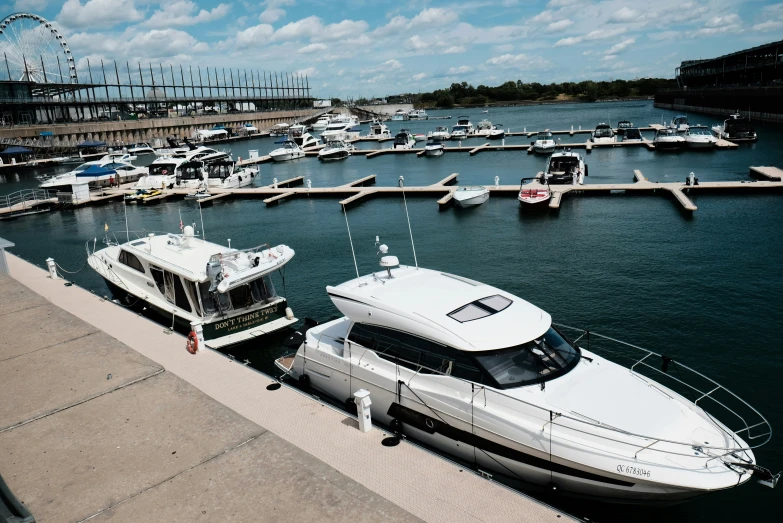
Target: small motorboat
622,126
497,132
302,138
699,137
440,133
565,167
200,194
419,137
632,134
290,150
404,140
544,143
667,139
335,150
483,128
603,134
471,195
534,192
679,123
459,132
321,123
378,129
434,149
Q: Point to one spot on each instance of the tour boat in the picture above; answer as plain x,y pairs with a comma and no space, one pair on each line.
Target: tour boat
280,129
603,134
227,293
378,129
404,140
434,149
471,195
565,167
440,133
679,123
321,123
534,192
736,129
544,143
699,137
289,150
335,150
622,126
487,377
302,138
98,173
141,148
667,139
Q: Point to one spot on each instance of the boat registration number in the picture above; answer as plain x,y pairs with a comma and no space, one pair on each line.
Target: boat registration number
633,471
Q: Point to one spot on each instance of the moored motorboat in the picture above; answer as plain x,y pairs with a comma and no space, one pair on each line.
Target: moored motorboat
335,150
433,149
302,138
544,143
470,195
679,123
321,123
378,129
623,125
459,132
534,192
603,134
404,140
565,167
497,132
632,134
289,150
667,139
99,173
699,137
440,133
280,129
465,121
141,148
736,129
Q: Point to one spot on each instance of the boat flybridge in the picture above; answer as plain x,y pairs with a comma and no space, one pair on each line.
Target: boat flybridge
302,138
228,292
221,171
483,375
679,123
321,123
174,169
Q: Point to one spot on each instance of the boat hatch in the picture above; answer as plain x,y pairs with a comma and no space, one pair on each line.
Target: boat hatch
480,308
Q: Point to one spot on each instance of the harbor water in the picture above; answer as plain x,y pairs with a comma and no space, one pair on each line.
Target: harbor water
705,289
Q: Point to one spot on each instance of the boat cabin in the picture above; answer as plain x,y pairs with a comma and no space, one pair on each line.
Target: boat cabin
632,133
544,135
624,124
603,130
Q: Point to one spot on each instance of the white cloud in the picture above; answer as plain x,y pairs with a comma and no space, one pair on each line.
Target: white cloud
561,3
598,34
720,24
620,46
454,49
310,72
722,21
664,35
434,16
463,69
517,61
558,26
769,25
184,12
98,13
504,48
419,77
543,17
609,58
624,15
418,45
312,48
312,27
271,15
253,36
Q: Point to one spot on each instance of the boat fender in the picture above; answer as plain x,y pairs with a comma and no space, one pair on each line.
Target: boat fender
192,343
585,169
396,426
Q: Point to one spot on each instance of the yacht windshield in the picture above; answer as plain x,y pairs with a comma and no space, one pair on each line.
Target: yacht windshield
536,361
162,169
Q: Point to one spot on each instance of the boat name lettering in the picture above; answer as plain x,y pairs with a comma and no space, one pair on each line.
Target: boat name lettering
633,471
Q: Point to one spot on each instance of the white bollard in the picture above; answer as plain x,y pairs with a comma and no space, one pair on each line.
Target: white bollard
309,184
196,327
524,129
497,181
503,142
691,177
52,269
362,399
460,144
580,127
274,183
572,128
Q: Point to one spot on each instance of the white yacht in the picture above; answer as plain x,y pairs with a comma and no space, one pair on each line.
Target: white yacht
679,123
668,139
439,134
483,128
288,150
603,134
182,169
221,171
544,143
141,148
497,132
487,377
470,195
119,156
736,129
465,121
421,114
98,173
534,192
199,285
404,140
459,132
340,129
378,129
302,138
434,149
335,150
400,115
565,167
321,123
173,148
249,128
280,129
699,137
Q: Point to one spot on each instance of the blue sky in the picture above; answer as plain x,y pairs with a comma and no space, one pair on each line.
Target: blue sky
373,48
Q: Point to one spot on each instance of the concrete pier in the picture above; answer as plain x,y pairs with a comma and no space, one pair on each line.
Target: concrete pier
106,416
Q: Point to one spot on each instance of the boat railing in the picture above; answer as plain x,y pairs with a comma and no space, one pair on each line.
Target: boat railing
26,197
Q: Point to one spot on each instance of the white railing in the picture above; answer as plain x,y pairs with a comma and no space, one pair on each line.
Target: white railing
26,198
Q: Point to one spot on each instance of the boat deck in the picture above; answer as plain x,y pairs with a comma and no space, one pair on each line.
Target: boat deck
106,416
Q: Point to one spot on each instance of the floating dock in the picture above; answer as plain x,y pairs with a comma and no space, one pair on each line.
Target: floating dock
106,416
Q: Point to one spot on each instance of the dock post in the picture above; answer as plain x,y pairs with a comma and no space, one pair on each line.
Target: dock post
195,326
274,183
362,399
52,268
497,181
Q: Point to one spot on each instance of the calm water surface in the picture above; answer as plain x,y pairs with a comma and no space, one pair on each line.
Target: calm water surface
706,290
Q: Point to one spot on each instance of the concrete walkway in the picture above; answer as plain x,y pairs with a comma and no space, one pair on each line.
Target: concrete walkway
111,417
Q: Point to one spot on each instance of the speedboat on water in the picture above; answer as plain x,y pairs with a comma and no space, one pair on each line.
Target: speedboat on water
288,150
699,137
227,293
335,150
339,129
736,129
679,123
302,138
404,140
667,139
439,134
623,125
483,128
484,376
534,192
470,195
141,148
497,132
603,134
565,167
544,143
434,149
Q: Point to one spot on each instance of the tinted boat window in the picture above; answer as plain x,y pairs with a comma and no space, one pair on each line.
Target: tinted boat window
131,261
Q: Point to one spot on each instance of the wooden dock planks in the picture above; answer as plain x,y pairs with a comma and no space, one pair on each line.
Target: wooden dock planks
357,196
361,181
686,202
478,149
773,173
447,180
279,197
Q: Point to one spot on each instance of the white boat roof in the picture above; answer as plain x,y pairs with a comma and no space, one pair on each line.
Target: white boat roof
420,301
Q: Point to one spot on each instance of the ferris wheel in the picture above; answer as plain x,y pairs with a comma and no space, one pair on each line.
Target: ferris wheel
32,50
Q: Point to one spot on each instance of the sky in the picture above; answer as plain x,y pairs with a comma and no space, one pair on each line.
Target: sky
354,48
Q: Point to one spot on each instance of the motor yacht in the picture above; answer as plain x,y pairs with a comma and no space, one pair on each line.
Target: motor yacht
544,143
736,129
459,132
679,123
98,173
487,377
288,150
378,129
335,150
534,192
465,121
340,129
280,129
632,134
470,195
141,148
483,128
668,139
565,167
434,149
321,123
439,134
404,140
173,148
699,137
302,138
198,285
603,134
221,171
622,125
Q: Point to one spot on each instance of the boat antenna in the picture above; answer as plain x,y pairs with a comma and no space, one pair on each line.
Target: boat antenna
351,241
405,201
203,234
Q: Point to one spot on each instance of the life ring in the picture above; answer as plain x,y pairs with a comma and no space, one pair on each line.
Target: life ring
192,343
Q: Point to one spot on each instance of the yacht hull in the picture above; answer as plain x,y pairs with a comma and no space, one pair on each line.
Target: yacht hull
473,201
340,155
434,152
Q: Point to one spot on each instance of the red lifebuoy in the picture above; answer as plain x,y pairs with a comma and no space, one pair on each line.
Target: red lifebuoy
192,344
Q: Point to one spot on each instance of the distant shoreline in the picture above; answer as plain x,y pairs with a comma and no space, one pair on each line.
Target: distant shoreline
542,102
